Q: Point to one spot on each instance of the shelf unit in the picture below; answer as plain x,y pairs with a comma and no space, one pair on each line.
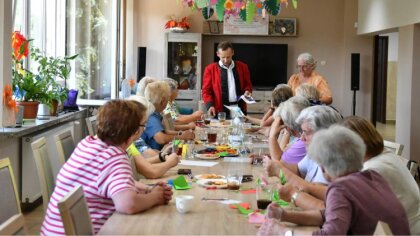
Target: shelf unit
183,63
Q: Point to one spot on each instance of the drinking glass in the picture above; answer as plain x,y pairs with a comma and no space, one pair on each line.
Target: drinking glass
234,179
221,116
211,136
264,196
258,158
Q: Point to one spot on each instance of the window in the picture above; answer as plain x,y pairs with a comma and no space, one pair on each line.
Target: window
92,33
85,27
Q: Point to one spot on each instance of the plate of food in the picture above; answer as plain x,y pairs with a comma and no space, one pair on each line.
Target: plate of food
228,152
212,183
205,156
209,176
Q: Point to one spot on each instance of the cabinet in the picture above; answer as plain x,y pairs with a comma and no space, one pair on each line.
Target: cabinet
182,62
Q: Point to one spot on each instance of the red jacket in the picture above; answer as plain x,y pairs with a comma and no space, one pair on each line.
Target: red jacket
211,89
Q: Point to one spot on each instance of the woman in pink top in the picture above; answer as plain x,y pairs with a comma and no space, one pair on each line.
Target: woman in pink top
101,166
307,75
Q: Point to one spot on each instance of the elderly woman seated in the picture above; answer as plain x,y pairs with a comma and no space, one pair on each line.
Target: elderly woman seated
156,163
100,164
389,165
280,94
154,135
306,184
356,200
285,119
181,122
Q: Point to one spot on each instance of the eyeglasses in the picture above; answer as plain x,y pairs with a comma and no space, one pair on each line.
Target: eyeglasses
306,133
303,67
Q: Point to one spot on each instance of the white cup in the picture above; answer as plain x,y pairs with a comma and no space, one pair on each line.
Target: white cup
184,203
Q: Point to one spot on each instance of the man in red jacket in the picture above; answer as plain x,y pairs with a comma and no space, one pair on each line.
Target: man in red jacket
225,81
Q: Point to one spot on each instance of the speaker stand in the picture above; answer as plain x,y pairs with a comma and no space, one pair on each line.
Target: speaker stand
354,102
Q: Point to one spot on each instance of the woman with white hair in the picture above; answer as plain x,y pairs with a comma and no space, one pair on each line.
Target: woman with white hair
154,135
141,87
285,118
306,185
355,200
157,163
181,122
307,75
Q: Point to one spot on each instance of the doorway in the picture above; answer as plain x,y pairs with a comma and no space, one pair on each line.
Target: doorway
384,84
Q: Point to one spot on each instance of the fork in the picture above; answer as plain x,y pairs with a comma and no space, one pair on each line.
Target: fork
213,199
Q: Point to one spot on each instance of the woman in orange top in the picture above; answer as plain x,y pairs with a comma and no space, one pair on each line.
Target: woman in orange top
307,75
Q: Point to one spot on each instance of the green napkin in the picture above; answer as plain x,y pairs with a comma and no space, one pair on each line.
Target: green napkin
180,183
242,210
278,200
282,177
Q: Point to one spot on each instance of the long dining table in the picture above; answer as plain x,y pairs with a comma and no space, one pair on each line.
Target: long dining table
207,217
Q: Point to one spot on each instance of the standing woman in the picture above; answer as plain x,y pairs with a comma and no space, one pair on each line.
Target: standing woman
307,75
101,166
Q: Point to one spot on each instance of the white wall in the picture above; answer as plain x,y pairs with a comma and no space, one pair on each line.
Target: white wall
379,15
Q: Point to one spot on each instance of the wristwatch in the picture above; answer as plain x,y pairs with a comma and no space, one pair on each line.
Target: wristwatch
295,196
162,157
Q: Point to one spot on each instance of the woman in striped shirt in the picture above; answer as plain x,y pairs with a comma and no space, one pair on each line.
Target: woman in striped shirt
101,166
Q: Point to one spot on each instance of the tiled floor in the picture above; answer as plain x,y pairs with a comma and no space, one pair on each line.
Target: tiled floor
33,220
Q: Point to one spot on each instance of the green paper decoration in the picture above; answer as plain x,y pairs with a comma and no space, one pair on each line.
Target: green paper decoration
206,12
272,6
251,9
242,15
201,3
242,210
220,9
282,177
294,2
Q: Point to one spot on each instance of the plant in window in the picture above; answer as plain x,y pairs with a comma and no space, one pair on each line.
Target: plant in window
42,87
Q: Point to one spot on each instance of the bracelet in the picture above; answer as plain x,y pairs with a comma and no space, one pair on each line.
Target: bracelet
295,196
162,158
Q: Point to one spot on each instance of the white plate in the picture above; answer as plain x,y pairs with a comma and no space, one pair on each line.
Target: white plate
207,156
206,176
207,183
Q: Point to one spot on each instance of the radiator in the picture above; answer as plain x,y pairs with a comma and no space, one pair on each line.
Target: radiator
31,189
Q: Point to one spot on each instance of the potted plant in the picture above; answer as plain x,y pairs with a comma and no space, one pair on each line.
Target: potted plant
50,70
30,89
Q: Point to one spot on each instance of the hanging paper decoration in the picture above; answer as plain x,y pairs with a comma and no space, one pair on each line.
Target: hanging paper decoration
272,6
242,15
251,8
207,12
220,9
294,2
246,9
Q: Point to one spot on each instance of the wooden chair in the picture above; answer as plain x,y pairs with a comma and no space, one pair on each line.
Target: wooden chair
44,169
13,226
75,214
382,228
396,147
9,198
65,145
91,125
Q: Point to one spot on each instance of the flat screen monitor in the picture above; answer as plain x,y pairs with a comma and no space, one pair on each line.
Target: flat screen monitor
267,63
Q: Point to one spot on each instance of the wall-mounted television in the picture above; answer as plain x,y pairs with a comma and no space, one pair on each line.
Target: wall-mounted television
267,63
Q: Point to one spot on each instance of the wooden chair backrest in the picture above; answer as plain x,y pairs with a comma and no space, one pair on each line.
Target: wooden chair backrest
65,145
75,214
44,169
9,198
91,125
13,226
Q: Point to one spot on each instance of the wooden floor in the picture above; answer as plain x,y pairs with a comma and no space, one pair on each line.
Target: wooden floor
33,220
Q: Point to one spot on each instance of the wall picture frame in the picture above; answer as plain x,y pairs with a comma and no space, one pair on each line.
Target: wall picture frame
214,27
284,27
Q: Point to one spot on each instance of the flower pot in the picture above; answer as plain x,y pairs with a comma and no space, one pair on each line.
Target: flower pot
30,109
53,109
